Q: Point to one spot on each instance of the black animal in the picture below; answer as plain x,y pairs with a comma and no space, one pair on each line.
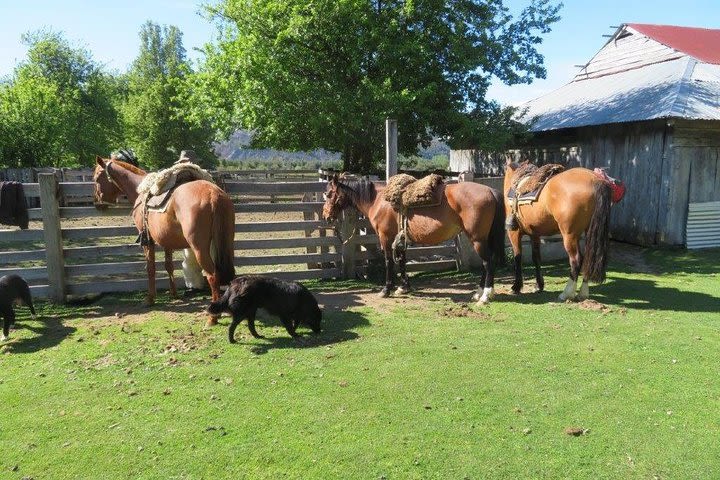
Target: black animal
13,290
289,301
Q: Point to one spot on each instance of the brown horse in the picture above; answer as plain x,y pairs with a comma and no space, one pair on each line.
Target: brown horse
199,216
573,202
469,207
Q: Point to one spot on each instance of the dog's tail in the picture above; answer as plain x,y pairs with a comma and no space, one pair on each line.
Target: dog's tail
219,306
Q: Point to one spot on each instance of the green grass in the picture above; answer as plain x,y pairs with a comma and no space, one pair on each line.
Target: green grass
406,388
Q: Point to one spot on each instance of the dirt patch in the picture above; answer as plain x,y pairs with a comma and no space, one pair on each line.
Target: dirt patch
632,256
590,304
462,311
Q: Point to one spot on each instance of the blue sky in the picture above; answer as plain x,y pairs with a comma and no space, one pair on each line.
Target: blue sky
109,30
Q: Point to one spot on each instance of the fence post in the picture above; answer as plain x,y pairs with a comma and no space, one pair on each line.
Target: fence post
348,226
391,148
49,204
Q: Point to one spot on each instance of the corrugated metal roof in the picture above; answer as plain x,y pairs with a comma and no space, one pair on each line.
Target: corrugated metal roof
679,88
701,43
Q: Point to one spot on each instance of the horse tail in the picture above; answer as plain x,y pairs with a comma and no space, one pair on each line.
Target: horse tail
222,239
496,239
597,236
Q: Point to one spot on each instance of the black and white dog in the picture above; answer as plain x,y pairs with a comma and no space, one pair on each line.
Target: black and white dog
289,301
13,291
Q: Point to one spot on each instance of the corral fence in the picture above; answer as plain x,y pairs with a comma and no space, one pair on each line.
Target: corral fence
71,248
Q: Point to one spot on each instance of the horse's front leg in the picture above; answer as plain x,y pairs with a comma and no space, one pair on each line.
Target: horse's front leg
170,268
539,280
150,267
404,280
389,272
571,242
515,237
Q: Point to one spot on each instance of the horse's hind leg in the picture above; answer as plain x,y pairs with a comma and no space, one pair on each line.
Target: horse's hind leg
404,280
539,280
571,242
169,267
487,278
515,237
389,272
150,266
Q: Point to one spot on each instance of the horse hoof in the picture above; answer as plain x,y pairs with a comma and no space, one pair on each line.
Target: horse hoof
384,293
563,298
211,321
3,338
476,296
515,291
402,291
149,301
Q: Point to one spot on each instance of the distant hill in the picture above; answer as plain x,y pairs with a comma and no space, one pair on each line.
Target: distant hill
237,149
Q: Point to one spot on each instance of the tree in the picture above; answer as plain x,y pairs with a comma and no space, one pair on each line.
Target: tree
58,107
327,73
155,113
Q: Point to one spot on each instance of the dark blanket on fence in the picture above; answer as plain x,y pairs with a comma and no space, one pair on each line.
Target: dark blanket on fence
13,208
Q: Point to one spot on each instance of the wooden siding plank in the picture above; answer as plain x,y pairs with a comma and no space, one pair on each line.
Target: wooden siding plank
273,187
312,207
80,233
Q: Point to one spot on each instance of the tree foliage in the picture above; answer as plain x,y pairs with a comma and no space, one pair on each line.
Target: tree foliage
155,113
327,73
58,107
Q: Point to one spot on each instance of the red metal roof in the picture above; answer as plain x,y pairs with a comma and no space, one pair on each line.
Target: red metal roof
701,43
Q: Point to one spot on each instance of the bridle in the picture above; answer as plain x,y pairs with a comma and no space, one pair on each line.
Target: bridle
109,178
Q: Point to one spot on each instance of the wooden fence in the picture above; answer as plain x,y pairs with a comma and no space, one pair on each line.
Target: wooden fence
74,249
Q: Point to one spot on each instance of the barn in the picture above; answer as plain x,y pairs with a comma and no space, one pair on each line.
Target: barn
647,107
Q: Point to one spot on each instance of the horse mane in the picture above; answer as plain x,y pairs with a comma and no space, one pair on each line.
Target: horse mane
360,190
128,166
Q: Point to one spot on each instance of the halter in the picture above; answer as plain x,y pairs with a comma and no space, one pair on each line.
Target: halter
107,174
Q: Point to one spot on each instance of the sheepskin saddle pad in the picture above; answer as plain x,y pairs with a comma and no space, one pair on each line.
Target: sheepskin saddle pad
529,180
158,186
404,191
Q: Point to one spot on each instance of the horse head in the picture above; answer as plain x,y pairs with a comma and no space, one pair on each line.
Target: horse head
336,200
106,190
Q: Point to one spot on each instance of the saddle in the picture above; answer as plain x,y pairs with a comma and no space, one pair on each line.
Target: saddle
405,192
527,184
157,188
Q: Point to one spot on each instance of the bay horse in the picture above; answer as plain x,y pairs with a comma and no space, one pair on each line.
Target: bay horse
472,208
573,202
199,216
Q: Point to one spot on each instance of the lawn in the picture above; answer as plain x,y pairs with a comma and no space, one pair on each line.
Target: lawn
416,387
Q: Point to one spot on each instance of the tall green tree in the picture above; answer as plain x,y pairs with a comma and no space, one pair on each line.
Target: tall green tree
156,113
327,73
58,108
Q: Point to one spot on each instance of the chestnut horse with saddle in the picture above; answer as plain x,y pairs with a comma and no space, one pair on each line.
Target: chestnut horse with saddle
198,216
475,209
573,202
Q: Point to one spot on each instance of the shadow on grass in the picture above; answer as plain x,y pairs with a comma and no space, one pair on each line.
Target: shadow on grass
645,294
49,334
338,327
